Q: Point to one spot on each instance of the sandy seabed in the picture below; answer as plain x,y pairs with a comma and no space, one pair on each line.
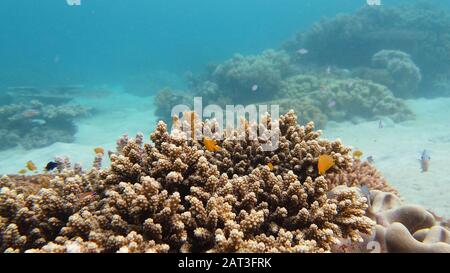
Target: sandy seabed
396,148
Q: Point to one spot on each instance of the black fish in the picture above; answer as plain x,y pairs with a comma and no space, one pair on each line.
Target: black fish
51,165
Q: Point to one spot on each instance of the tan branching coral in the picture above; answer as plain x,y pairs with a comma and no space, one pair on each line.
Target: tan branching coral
174,195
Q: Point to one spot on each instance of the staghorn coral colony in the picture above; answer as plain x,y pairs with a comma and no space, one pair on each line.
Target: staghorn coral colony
174,195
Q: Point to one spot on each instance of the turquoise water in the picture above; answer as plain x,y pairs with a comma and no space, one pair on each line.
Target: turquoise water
111,59
107,41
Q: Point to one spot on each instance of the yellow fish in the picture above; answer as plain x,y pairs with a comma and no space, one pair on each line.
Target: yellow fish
99,150
357,154
270,165
31,166
22,171
325,163
210,145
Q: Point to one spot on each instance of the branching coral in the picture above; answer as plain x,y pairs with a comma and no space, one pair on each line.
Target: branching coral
175,195
36,124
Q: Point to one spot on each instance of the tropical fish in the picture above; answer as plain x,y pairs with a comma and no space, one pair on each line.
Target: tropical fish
380,124
324,163
357,154
328,70
425,161
31,166
22,171
99,150
254,87
50,166
302,51
210,145
370,159
270,165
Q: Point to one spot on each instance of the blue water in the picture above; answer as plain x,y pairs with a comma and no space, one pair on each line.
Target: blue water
106,41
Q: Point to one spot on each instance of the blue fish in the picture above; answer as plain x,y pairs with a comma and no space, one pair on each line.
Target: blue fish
50,166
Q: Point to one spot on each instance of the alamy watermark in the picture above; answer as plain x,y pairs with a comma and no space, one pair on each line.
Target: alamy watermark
251,122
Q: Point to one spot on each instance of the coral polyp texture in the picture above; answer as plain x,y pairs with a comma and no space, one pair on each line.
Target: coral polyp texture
173,195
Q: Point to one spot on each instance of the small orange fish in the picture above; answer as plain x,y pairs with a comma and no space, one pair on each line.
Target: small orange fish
325,163
270,165
31,166
210,145
99,150
22,171
357,154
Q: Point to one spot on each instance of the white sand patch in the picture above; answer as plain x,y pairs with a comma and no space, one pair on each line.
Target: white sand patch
396,149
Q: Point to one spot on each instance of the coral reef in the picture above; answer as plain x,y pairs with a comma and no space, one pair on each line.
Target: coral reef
35,124
396,70
350,40
313,97
237,76
320,99
176,196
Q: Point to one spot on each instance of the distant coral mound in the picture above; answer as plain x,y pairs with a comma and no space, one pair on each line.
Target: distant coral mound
350,40
35,124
